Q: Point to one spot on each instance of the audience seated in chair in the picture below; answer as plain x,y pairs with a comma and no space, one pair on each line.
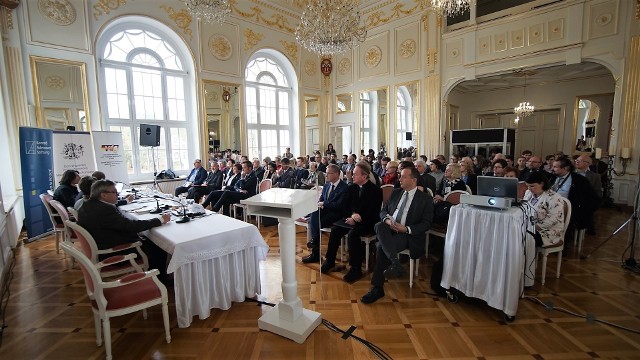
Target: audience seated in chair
228,184
67,191
213,182
196,177
244,188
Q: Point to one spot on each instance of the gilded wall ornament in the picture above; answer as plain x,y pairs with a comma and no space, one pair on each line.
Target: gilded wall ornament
256,14
344,66
220,47
291,49
310,67
212,95
181,18
380,18
326,67
372,56
251,39
8,16
407,48
59,12
104,7
55,82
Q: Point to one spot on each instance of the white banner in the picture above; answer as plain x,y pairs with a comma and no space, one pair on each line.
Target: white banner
72,151
109,150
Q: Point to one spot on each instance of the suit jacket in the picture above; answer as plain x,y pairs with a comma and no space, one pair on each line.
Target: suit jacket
366,203
66,195
285,180
596,182
109,226
583,201
200,173
335,200
472,182
430,182
419,218
234,180
301,174
214,180
249,184
259,172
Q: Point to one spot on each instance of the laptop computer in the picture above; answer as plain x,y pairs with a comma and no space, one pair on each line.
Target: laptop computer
500,187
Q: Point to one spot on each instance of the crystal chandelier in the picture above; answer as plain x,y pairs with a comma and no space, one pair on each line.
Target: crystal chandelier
329,27
451,7
209,10
525,108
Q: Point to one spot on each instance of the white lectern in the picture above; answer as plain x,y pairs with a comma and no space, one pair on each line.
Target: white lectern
288,318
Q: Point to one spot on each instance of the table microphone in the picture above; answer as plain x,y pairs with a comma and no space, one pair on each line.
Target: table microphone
184,218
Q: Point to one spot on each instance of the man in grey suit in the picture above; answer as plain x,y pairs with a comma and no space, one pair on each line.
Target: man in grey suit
404,221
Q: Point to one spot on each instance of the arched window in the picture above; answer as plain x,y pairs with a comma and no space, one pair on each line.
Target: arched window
403,122
270,106
144,79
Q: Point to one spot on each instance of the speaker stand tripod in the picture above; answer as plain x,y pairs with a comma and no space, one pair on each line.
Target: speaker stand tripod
155,170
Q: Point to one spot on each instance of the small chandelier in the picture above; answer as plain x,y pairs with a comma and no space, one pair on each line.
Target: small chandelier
525,108
209,10
451,7
329,27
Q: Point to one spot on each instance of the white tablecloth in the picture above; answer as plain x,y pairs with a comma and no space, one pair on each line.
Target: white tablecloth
216,260
484,255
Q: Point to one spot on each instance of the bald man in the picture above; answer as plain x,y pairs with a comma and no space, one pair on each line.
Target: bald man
582,167
533,164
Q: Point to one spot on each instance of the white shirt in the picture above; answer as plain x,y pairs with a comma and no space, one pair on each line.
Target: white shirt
405,211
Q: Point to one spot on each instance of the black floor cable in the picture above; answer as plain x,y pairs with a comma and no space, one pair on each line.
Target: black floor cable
588,317
378,352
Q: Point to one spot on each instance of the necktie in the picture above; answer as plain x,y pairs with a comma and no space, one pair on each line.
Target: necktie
558,184
403,202
333,187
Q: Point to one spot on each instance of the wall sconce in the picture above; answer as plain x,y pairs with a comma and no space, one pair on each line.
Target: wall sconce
625,157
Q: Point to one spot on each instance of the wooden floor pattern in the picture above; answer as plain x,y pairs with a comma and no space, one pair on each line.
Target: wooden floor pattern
48,315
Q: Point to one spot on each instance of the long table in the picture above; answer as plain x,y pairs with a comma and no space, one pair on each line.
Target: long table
215,260
488,255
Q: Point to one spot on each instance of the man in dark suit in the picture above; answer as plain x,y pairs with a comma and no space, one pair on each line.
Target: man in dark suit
578,190
244,188
110,227
330,210
211,183
300,171
362,204
404,221
258,170
196,177
534,164
228,184
429,180
286,176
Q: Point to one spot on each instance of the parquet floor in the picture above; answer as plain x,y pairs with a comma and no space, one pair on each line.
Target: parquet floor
48,316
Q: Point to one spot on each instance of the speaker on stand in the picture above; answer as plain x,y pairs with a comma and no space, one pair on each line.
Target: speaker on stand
150,136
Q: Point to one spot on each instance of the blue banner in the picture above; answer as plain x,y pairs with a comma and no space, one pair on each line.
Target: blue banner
36,158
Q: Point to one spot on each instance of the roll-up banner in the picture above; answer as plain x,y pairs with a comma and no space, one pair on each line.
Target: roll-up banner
72,150
109,149
37,177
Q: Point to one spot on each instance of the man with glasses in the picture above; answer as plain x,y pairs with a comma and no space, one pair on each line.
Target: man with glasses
196,177
110,227
534,164
330,209
499,167
362,206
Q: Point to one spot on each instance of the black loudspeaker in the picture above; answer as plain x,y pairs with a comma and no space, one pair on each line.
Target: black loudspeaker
409,136
71,128
149,135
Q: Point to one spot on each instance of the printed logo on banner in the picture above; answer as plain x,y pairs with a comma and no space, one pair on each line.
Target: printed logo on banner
72,151
37,148
113,148
30,147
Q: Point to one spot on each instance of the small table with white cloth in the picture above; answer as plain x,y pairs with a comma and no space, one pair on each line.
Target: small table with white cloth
215,260
486,257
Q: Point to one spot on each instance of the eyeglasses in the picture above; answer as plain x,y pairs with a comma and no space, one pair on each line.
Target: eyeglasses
497,167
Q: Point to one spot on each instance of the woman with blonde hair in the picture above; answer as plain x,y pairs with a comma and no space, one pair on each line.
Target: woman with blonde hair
451,181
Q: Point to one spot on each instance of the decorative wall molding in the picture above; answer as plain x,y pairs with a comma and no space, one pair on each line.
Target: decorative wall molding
380,17
251,39
256,14
344,66
181,18
104,7
407,48
631,106
291,49
55,82
637,9
59,12
372,56
220,47
310,67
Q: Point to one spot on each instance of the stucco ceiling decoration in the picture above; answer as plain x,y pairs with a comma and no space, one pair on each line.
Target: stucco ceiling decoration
407,48
251,39
104,7
59,12
344,66
55,82
379,17
181,18
372,56
279,19
220,47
